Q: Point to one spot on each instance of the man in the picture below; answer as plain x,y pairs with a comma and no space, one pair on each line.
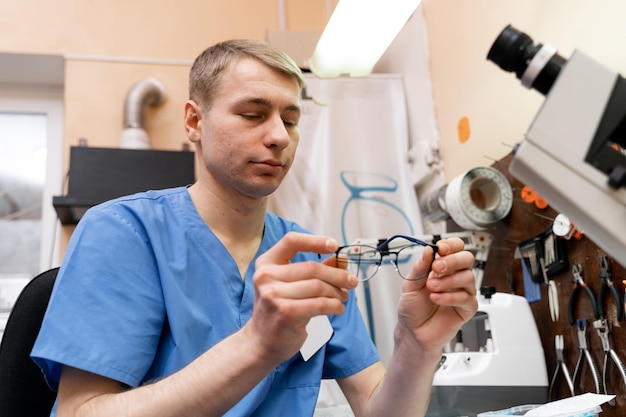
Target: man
194,301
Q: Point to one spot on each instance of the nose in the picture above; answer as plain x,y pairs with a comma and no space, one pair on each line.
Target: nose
277,133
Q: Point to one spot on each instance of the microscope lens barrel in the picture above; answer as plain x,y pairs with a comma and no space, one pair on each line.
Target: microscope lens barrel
535,64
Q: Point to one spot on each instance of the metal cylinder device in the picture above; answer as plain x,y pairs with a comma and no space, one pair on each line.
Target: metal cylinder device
479,197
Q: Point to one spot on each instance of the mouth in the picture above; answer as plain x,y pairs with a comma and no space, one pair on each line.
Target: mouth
270,166
272,162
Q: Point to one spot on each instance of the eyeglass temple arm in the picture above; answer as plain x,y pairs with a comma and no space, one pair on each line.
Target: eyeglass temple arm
384,246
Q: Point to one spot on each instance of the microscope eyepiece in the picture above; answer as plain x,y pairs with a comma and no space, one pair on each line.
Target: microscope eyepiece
536,65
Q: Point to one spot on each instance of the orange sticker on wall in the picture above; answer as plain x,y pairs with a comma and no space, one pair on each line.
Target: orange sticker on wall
463,129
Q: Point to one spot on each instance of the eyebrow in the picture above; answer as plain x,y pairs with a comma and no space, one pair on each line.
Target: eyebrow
267,103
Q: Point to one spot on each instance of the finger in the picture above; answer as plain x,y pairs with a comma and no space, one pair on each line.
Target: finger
452,262
422,266
461,300
310,307
450,245
302,271
337,261
292,243
304,289
458,281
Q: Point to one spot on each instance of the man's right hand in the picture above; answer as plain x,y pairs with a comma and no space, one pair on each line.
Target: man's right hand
288,294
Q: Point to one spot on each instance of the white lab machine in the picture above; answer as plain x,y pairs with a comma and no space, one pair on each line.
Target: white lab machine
495,362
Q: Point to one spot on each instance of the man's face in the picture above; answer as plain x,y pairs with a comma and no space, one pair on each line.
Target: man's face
249,134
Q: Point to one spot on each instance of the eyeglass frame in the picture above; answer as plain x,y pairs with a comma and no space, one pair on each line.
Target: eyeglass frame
383,249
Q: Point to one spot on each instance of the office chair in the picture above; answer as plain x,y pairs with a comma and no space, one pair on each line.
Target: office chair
23,389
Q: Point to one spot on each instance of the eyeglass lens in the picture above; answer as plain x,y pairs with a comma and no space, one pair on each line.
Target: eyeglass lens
364,261
407,256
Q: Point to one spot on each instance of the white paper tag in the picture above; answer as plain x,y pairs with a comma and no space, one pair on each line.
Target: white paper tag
319,332
571,406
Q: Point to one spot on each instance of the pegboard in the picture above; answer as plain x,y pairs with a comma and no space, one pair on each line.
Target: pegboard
503,271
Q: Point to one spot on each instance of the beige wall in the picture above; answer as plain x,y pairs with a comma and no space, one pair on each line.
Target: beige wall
466,84
144,28
94,98
106,42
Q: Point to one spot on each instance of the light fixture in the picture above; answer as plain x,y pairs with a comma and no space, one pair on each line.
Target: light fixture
357,34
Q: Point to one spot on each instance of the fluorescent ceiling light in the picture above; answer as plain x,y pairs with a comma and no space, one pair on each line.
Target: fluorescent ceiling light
357,35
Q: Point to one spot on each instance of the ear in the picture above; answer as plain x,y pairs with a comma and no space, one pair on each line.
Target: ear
193,121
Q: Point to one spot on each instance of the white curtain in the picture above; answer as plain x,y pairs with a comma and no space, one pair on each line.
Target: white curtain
351,179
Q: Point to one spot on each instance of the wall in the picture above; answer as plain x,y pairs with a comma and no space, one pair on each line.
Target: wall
500,110
144,28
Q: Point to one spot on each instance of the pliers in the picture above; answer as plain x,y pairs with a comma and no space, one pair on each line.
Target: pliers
602,328
583,351
607,285
560,366
579,283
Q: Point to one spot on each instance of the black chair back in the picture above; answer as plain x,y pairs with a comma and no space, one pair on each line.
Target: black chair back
23,390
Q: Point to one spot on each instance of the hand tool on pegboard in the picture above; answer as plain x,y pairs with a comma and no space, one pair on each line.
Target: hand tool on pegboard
608,285
602,327
602,324
545,256
584,355
578,285
581,324
546,246
561,368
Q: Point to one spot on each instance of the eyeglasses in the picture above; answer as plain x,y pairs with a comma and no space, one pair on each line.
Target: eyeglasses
364,261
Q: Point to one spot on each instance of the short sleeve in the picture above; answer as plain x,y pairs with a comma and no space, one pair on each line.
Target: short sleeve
106,311
350,350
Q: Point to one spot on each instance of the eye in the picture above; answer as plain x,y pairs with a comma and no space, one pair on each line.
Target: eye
251,116
291,118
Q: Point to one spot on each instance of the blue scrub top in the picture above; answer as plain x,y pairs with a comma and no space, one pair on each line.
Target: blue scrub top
146,287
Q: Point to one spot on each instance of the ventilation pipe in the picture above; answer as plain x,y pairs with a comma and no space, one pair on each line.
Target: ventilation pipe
146,92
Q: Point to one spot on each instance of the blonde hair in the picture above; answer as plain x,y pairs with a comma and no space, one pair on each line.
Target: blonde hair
209,67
